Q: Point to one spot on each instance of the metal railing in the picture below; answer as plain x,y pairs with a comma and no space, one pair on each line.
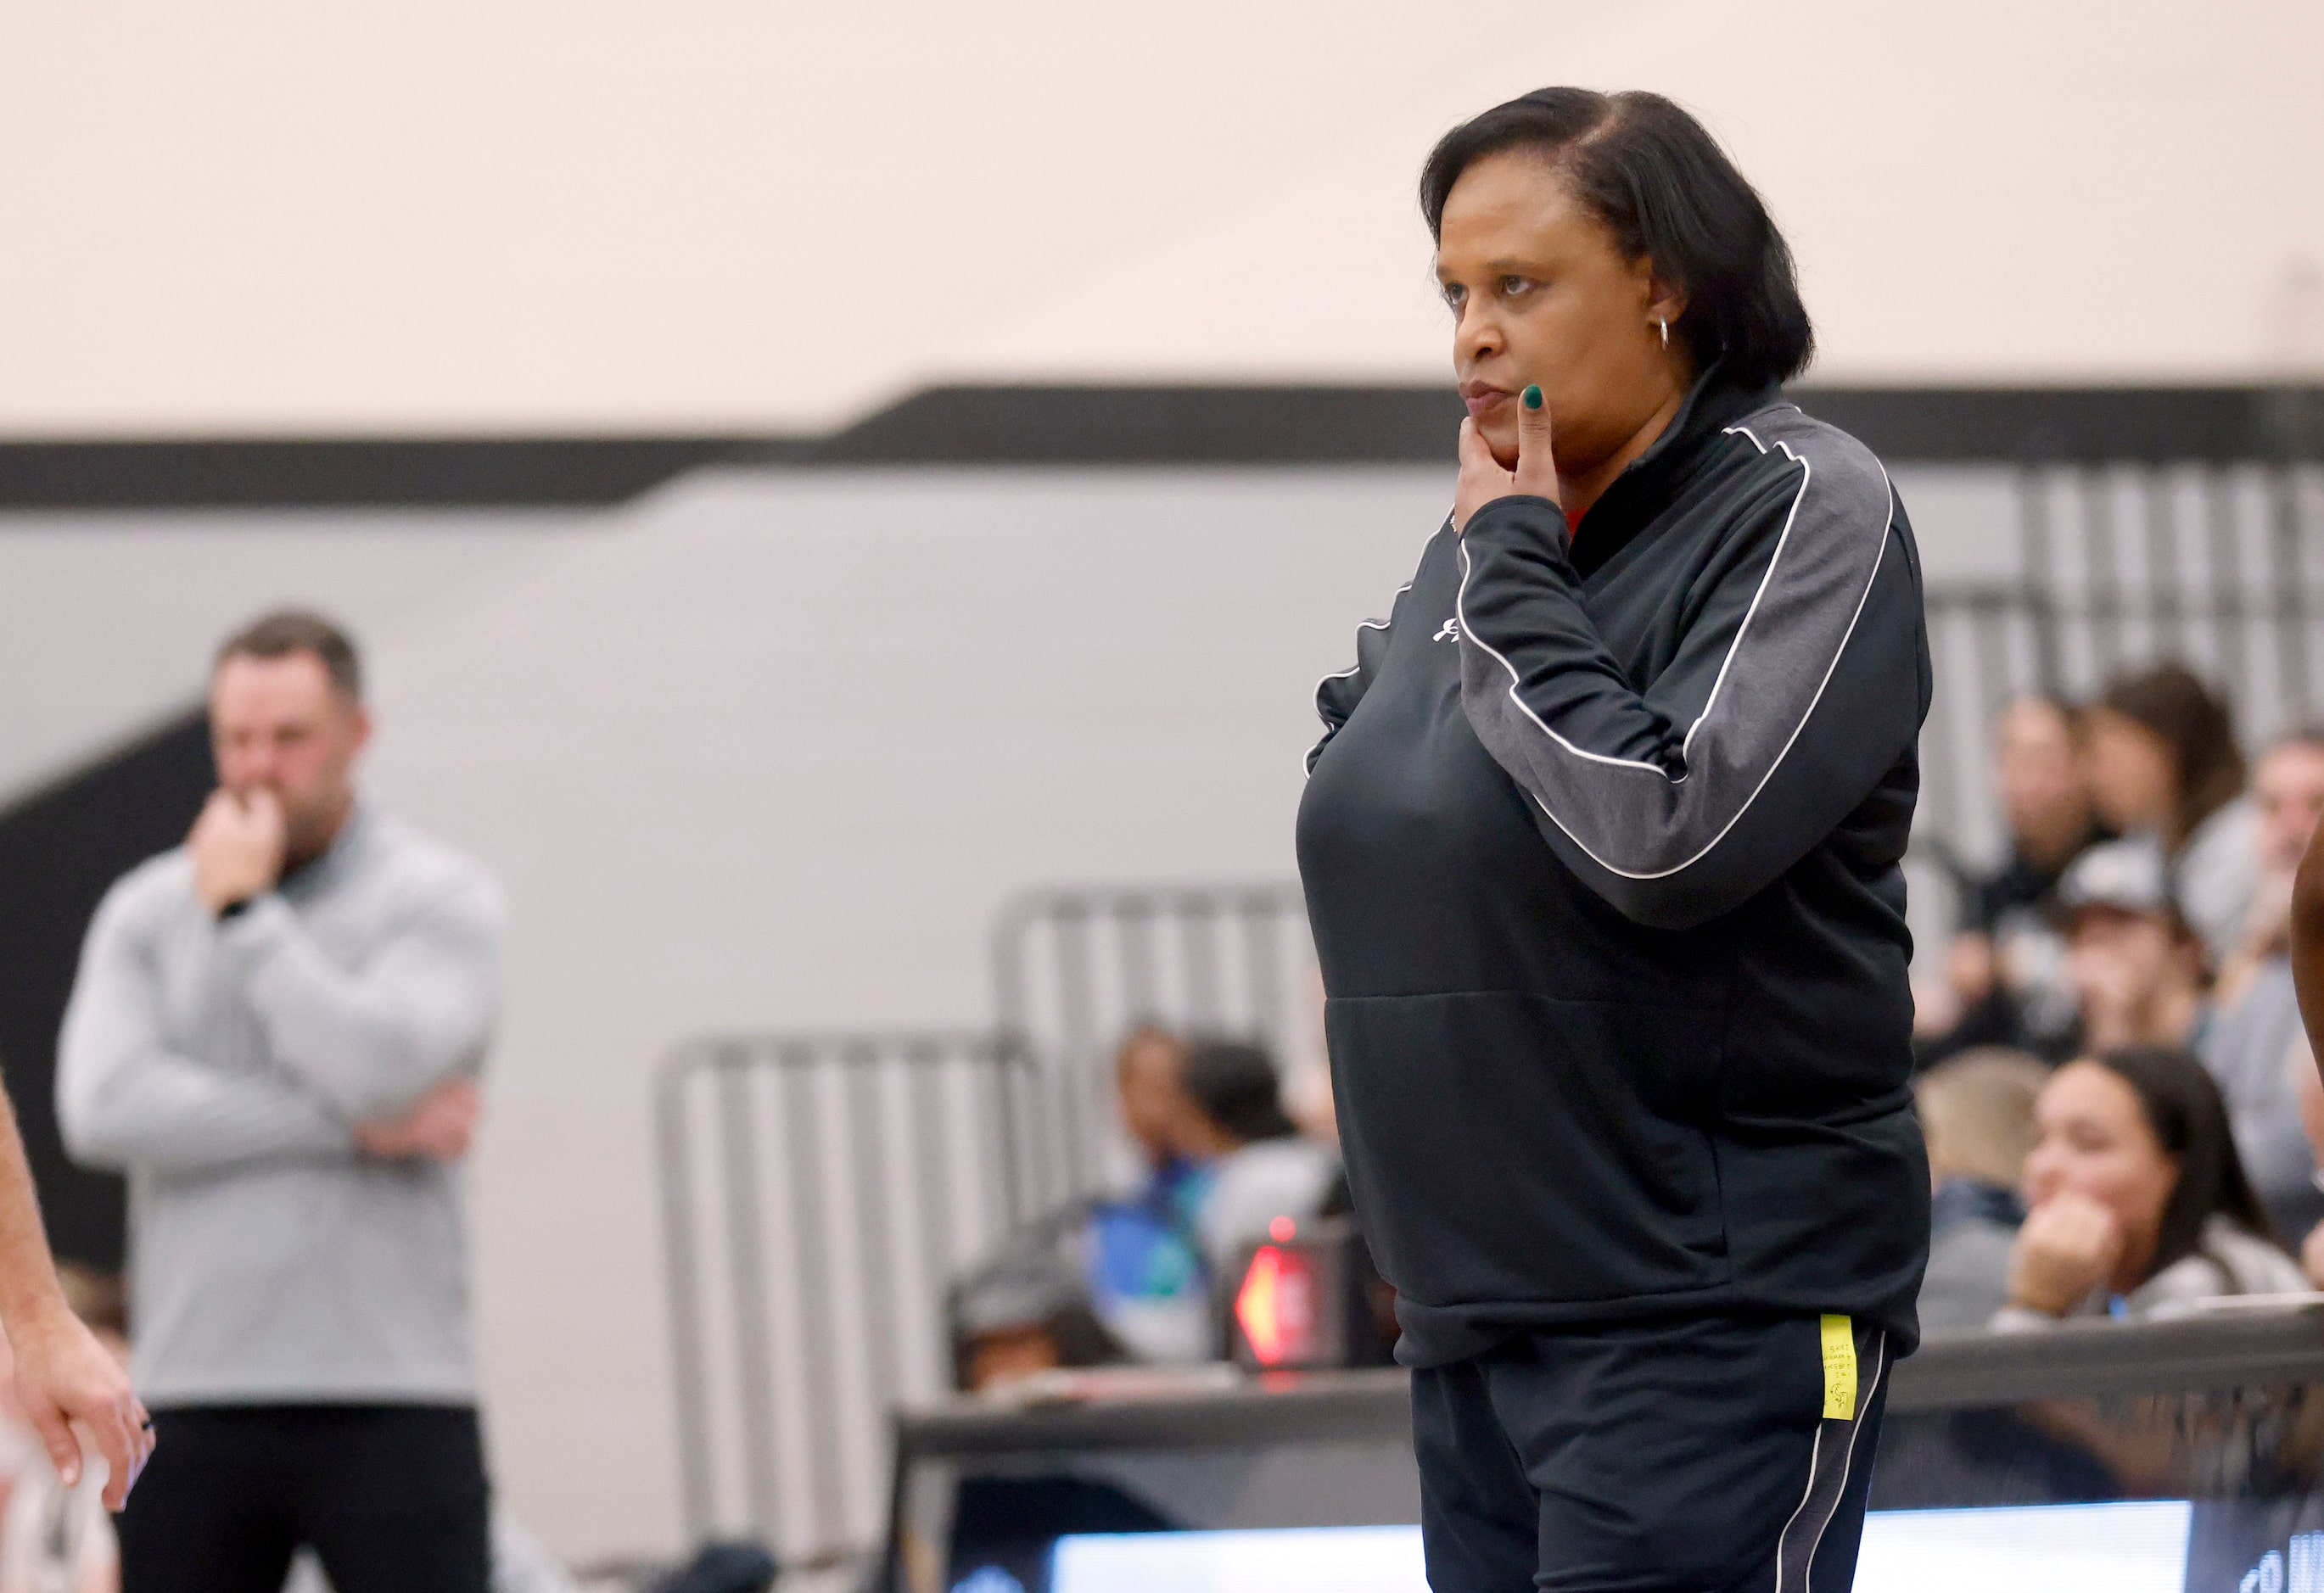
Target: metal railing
2095,1360
2219,1409
818,1192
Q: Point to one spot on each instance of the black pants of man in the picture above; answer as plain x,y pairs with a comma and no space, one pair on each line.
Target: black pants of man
392,1498
1688,1457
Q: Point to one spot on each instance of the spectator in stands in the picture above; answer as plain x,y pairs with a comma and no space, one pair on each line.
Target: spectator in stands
1145,1274
1236,1162
1976,1109
2138,974
1157,1113
2136,1203
275,1032
2003,967
1134,1279
2163,761
2137,969
2254,1045
1260,1166
1029,1309
2287,795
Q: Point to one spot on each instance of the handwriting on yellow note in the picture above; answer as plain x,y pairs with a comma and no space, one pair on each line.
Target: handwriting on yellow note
1838,1369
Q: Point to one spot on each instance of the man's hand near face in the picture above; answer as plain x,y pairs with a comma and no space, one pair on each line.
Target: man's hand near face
439,1126
237,847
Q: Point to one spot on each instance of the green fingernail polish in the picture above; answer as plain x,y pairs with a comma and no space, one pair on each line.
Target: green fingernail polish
1532,397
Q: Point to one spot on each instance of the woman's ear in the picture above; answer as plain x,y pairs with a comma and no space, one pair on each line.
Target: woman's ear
1666,301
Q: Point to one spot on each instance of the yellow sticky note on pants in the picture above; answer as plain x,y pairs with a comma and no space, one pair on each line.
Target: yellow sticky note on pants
1838,1369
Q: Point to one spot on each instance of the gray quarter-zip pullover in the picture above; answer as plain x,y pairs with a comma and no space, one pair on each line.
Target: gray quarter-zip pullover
224,1067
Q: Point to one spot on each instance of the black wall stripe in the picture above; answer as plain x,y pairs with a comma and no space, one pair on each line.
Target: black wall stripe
346,472
1035,424
1417,424
60,848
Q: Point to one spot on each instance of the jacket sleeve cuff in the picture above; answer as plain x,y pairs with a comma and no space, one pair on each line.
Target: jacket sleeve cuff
1520,517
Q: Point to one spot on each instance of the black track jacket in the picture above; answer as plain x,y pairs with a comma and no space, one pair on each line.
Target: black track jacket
1601,853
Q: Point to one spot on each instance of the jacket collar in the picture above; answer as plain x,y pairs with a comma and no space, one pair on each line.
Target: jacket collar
1648,484
316,873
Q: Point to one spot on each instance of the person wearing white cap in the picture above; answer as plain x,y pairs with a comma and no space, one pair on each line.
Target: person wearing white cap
2138,970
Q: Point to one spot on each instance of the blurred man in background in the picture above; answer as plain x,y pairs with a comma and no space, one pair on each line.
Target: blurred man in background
275,1033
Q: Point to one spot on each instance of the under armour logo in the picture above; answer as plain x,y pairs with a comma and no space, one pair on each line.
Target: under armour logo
1450,631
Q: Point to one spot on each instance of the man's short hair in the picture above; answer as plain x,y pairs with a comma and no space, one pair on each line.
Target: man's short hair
1977,1110
285,632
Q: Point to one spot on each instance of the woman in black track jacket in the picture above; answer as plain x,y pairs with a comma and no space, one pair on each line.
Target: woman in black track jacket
1601,850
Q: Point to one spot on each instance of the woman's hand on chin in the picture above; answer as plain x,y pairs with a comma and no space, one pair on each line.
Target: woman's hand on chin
1482,479
2068,1246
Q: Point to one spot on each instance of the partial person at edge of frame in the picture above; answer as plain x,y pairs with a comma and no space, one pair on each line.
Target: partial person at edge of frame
63,1374
2308,947
1602,853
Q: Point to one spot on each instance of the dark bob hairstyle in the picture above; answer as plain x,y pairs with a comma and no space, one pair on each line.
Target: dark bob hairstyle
2182,1105
1667,193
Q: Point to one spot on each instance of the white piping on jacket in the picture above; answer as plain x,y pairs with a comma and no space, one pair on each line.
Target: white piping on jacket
1713,843
1308,759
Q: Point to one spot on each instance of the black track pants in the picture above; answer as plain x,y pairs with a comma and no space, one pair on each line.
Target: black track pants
392,1500
1692,1457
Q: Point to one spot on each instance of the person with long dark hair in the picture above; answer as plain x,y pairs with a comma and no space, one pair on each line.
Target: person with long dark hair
1601,850
2137,1204
2164,761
